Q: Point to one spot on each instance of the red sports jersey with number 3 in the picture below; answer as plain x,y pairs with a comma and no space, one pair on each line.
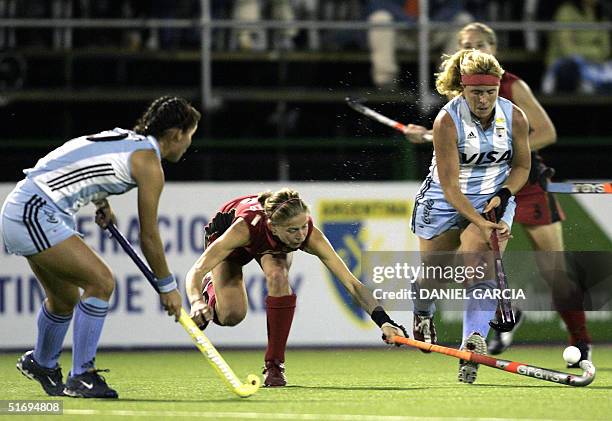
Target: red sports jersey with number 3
262,240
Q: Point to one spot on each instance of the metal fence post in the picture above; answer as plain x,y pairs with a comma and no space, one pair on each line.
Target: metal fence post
205,45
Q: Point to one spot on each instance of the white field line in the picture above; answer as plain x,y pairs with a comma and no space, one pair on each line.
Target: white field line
269,416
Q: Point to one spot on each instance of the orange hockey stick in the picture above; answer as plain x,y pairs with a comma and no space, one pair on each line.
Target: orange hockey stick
523,369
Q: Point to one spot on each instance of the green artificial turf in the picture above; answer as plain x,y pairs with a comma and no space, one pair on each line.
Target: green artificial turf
386,384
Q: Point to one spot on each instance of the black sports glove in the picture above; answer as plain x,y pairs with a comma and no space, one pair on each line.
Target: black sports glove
504,195
400,327
540,173
217,226
380,317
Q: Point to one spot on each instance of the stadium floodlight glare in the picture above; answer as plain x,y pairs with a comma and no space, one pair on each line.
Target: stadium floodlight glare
233,383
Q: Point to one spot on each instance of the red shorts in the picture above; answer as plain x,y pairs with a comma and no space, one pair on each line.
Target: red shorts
535,206
239,256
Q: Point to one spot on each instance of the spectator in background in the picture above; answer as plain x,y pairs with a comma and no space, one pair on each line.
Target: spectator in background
90,9
256,38
341,10
383,41
8,10
25,9
578,60
174,37
62,37
133,37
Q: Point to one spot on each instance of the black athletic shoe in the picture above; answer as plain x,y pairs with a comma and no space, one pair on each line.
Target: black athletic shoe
502,340
89,385
424,330
586,351
49,378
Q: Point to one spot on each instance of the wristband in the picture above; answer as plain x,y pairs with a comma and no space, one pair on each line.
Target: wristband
166,284
504,194
380,317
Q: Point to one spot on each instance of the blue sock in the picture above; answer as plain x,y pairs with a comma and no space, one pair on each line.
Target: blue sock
52,330
478,312
88,322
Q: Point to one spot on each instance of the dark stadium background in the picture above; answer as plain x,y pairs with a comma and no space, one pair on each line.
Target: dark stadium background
283,110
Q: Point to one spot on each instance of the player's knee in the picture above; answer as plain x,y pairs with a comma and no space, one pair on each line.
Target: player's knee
107,288
102,284
62,305
278,283
473,244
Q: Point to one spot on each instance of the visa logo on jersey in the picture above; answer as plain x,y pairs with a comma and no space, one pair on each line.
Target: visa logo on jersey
486,157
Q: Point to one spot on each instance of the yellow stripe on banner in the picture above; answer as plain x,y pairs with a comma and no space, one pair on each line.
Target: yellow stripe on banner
343,210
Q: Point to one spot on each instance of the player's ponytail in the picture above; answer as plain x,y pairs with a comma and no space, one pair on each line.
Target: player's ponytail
262,197
165,113
282,205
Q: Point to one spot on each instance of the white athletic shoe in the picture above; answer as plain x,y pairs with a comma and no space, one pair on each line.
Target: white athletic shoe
467,369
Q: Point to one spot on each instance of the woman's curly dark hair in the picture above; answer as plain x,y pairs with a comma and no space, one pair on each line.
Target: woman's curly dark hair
167,112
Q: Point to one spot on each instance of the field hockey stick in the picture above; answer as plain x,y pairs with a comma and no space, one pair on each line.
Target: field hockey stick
506,321
215,359
375,115
593,187
587,377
